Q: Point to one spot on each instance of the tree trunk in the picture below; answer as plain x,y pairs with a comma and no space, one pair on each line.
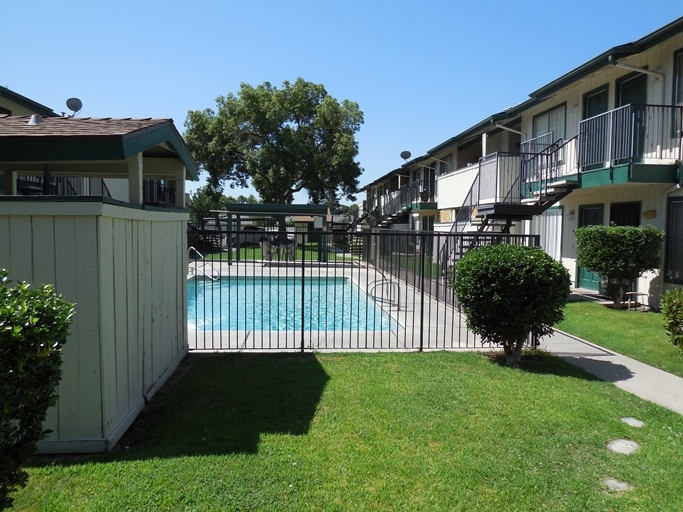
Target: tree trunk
513,353
618,297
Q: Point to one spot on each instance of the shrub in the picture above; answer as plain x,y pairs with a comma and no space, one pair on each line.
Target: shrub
618,253
672,309
508,292
33,326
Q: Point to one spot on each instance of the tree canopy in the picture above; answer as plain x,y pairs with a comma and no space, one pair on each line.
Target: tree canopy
283,140
619,253
205,199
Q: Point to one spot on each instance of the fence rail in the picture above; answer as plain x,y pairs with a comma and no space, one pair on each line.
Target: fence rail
370,290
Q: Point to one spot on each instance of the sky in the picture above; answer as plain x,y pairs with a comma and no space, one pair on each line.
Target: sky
421,72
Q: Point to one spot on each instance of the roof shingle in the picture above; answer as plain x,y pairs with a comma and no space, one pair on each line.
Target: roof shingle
17,126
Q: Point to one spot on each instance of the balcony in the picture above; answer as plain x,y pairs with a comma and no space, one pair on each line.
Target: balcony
634,143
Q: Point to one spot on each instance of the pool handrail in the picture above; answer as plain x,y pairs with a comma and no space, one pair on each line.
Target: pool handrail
391,285
215,275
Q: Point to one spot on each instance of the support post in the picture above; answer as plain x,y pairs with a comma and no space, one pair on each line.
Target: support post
180,188
47,181
135,195
10,183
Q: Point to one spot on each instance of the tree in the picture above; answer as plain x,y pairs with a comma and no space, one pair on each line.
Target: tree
34,324
241,199
282,140
618,254
203,200
508,292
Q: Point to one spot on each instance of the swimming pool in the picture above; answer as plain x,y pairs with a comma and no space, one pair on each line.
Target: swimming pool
275,304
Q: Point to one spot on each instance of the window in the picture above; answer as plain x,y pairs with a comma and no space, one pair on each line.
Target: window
595,102
446,164
678,78
5,111
673,265
625,214
551,121
678,93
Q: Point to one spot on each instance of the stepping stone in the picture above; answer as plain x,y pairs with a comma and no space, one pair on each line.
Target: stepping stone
623,446
616,485
633,422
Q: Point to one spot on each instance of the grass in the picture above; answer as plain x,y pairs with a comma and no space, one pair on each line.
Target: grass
634,334
309,252
429,431
415,264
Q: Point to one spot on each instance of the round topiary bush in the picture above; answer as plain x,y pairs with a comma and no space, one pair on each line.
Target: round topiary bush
508,292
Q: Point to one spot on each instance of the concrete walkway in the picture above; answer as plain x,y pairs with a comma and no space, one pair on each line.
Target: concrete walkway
628,374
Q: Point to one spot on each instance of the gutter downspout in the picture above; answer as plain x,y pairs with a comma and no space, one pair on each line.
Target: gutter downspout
645,71
509,129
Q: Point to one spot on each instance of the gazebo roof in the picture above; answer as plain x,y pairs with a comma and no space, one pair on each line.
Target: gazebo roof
92,146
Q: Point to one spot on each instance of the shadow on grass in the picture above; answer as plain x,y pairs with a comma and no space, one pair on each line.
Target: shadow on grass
221,404
538,361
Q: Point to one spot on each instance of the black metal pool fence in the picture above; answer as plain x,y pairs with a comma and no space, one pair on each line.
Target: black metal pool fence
329,290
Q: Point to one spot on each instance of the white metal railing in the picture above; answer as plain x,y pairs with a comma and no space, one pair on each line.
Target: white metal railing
646,132
214,276
537,144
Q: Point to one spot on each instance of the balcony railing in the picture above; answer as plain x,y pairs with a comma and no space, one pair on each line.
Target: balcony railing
158,193
68,186
538,144
631,133
422,192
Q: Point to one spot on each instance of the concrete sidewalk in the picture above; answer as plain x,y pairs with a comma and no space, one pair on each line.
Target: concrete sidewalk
638,378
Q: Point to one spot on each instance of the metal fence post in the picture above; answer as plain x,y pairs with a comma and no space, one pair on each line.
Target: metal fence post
422,289
303,290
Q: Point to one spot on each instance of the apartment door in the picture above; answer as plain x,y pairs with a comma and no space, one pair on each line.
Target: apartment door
595,132
589,215
632,90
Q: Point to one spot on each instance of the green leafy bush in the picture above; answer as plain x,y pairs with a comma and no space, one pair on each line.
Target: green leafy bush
33,326
618,253
508,292
672,309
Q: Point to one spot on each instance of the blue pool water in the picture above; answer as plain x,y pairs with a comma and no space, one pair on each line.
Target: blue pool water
274,303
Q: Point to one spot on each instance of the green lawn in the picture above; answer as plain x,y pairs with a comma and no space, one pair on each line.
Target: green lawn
418,431
415,264
635,334
309,252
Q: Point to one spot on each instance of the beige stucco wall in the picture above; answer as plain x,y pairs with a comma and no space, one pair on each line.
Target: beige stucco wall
126,271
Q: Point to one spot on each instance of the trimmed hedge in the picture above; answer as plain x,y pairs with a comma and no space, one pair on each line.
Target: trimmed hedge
34,324
672,309
618,253
508,292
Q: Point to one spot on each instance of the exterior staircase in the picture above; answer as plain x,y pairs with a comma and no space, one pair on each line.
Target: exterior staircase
509,188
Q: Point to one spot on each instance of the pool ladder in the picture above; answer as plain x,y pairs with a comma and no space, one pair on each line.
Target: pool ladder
215,273
390,292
